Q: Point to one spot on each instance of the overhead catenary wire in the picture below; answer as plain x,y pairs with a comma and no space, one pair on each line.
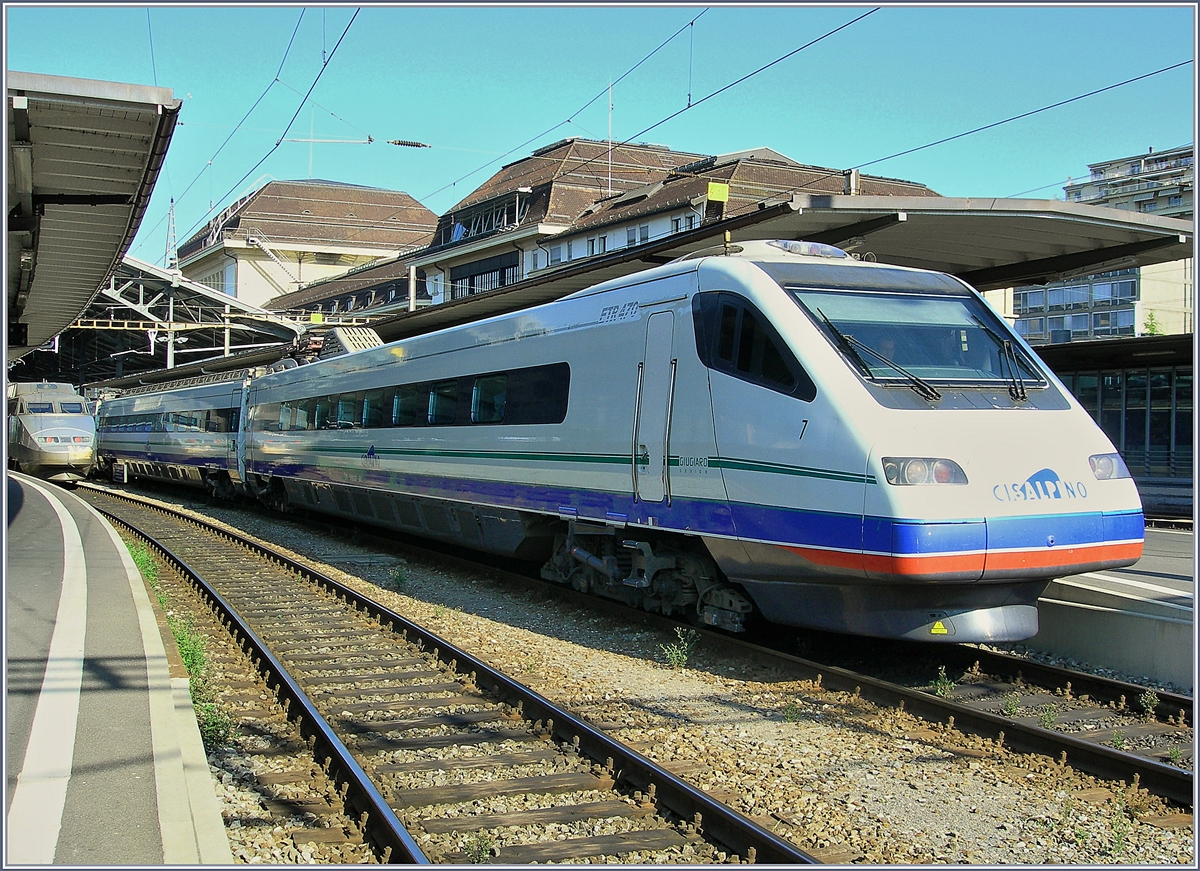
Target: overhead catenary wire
150,31
725,88
321,72
544,133
995,124
237,127
571,118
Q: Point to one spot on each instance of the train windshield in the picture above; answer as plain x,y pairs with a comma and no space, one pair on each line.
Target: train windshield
39,408
915,339
71,407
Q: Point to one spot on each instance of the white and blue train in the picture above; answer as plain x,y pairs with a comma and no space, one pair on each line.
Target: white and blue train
770,427
51,432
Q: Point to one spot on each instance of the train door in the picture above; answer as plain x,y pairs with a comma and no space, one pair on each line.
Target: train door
229,415
653,416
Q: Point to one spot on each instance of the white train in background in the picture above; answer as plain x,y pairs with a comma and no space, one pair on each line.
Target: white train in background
51,431
770,428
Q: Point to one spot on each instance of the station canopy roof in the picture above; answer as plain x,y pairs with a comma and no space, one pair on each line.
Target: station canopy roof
83,158
990,243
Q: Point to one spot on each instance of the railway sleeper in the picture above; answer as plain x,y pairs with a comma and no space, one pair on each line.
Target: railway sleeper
662,575
463,793
622,843
562,814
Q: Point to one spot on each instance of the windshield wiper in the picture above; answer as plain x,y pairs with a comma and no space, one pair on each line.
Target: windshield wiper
844,341
851,344
1008,359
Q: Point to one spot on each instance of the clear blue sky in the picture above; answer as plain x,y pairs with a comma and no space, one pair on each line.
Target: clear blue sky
478,82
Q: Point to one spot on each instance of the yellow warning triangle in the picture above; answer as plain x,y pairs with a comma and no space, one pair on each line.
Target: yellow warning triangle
938,628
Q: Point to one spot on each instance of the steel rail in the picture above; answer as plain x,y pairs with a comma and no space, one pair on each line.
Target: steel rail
1167,781
1103,689
394,842
714,819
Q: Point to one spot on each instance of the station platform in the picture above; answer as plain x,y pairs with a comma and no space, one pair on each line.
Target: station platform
105,765
1137,620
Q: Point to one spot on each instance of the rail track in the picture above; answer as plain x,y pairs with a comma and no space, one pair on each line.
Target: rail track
1112,729
1102,726
439,757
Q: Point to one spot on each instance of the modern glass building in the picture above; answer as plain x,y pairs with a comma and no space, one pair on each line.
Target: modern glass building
1140,393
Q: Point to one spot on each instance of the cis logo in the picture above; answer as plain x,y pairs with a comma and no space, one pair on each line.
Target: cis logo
1045,484
369,460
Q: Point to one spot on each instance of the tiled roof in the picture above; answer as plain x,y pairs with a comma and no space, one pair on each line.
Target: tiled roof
762,176
316,212
570,175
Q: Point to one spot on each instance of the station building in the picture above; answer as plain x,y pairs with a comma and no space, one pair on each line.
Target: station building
1138,388
574,201
288,234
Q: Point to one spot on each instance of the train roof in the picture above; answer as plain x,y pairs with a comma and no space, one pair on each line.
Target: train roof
32,388
824,265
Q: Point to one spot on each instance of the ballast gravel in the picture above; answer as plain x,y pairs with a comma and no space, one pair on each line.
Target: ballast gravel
842,778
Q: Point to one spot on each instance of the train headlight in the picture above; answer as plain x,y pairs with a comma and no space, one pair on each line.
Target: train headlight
923,470
1108,466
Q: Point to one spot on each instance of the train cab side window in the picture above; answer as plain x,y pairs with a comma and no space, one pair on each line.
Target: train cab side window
443,402
732,336
727,335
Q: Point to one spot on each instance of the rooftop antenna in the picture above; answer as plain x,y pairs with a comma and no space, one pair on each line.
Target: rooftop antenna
172,256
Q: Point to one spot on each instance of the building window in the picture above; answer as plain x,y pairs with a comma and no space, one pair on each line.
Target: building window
1031,327
591,247
484,275
533,260
556,255
570,247
683,223
1175,201
644,233
602,245
630,236
1029,301
1060,298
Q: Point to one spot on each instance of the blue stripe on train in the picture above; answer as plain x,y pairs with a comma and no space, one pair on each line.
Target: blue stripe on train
787,526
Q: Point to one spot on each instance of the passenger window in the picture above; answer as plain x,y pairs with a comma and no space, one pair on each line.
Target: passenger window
349,410
538,394
487,399
322,417
408,405
304,410
733,337
373,408
443,402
